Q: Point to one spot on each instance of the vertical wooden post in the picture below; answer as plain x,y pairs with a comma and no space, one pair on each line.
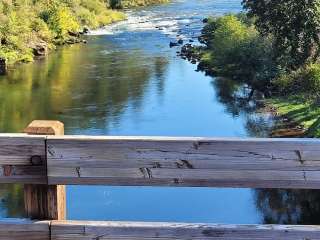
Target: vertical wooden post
44,202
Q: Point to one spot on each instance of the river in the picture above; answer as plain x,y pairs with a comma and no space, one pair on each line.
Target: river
128,81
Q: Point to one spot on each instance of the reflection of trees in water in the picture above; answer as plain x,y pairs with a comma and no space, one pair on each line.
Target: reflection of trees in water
160,67
83,86
276,206
240,100
11,197
289,206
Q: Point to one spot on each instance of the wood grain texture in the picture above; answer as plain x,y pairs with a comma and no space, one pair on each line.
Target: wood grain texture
22,159
81,230
45,202
45,127
70,230
268,163
24,230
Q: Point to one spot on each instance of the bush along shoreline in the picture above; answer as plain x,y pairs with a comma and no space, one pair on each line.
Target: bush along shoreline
270,54
29,29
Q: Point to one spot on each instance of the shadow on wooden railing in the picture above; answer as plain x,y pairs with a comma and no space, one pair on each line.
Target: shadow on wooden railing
44,163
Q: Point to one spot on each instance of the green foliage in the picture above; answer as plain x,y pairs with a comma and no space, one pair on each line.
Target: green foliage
61,22
305,81
300,112
294,25
236,50
15,35
26,24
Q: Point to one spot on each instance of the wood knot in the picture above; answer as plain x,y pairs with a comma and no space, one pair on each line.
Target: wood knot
146,172
36,160
184,164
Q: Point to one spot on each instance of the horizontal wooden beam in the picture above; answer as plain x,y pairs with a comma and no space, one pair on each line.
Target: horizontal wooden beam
22,159
82,230
158,161
199,162
68,230
24,230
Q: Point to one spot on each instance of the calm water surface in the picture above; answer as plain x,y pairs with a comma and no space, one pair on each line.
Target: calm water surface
127,81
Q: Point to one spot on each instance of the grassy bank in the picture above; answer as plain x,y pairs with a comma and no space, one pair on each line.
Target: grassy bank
298,112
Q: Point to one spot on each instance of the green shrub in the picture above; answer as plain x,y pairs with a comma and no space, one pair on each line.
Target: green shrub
236,50
61,21
15,37
304,81
87,18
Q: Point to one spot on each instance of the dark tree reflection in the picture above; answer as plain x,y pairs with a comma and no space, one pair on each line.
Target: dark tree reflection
81,86
11,201
279,206
239,99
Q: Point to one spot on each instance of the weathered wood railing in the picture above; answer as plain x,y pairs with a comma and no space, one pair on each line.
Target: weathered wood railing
45,163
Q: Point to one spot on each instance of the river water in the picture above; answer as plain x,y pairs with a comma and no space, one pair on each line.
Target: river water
128,81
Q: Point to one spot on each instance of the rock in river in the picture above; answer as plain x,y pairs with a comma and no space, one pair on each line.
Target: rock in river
40,48
173,44
3,66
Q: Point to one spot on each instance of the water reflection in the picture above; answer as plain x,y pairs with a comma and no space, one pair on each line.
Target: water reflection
11,200
238,100
78,87
131,83
289,206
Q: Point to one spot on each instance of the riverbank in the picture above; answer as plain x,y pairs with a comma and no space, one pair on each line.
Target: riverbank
30,30
233,49
138,3
296,115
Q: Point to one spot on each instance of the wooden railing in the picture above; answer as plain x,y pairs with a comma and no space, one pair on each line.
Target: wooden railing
44,163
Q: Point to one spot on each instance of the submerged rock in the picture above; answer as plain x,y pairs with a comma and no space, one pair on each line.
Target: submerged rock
173,44
85,30
3,66
74,34
73,40
180,41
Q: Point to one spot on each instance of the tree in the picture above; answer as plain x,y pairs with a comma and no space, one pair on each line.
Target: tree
294,25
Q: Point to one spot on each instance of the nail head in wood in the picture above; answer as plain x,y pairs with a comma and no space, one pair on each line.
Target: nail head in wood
36,160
